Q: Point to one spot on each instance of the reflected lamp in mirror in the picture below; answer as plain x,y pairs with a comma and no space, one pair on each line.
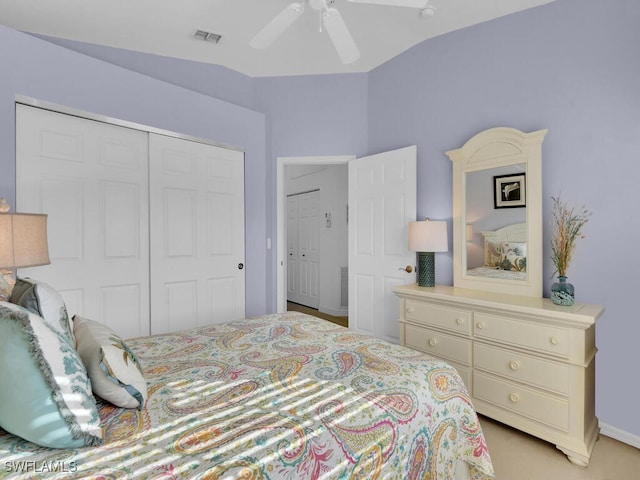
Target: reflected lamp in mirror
469,232
23,240
427,237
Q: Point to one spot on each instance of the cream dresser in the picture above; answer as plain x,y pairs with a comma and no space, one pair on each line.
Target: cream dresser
527,362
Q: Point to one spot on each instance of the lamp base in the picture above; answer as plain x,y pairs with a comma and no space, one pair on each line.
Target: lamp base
426,269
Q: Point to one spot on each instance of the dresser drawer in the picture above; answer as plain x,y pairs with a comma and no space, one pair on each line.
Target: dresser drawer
443,317
523,368
438,344
523,401
543,338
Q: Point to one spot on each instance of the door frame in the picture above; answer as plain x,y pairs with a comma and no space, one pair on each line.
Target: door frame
281,215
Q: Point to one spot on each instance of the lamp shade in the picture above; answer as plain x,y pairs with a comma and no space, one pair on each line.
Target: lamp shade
23,240
428,236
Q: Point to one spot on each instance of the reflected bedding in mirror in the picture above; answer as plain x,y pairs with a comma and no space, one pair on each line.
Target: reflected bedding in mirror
505,254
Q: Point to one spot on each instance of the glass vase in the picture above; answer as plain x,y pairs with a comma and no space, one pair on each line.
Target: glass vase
562,292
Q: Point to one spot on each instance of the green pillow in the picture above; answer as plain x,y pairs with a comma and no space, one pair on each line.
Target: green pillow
45,394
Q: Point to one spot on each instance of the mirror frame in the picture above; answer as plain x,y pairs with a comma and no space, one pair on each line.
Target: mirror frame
500,147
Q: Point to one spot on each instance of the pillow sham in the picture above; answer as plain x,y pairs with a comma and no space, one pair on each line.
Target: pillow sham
45,394
113,368
513,262
514,248
43,300
514,256
493,254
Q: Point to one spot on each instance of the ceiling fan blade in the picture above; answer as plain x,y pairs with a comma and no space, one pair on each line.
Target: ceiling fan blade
340,35
277,26
396,3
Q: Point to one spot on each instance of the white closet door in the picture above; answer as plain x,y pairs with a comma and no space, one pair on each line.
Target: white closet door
303,248
309,248
91,179
197,234
293,282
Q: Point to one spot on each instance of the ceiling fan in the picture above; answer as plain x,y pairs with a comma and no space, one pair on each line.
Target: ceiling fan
331,20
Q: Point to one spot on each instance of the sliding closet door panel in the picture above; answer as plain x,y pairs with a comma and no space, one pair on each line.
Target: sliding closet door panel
182,302
91,178
179,208
197,234
303,245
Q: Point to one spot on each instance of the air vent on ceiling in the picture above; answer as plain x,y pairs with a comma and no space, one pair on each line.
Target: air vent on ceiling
207,36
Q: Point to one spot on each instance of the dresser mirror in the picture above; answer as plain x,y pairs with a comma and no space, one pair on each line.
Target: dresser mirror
497,212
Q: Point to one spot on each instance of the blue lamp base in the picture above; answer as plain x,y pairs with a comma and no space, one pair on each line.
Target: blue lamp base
426,269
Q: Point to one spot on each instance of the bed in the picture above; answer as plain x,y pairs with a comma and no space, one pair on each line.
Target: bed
282,396
505,253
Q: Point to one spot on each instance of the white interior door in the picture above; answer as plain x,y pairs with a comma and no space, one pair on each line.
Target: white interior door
309,248
382,202
197,234
303,248
91,179
293,281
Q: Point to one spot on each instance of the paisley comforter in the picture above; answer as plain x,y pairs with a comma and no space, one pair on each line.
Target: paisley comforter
284,396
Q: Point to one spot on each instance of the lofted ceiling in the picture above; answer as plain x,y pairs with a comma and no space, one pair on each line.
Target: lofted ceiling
166,27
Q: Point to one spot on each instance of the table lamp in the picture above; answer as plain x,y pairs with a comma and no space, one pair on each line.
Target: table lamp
23,240
427,237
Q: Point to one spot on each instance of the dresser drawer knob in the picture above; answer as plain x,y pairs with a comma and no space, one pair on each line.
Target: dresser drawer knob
433,342
514,397
513,365
459,321
410,310
481,325
554,340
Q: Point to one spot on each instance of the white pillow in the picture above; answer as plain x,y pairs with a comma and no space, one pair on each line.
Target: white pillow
113,368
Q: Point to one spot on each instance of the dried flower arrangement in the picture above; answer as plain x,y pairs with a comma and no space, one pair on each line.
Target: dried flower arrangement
567,228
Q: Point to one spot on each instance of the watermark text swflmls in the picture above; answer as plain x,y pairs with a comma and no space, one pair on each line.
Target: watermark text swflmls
44,466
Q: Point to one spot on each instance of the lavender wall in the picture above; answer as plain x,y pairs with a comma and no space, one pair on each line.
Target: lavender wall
573,67
38,69
309,116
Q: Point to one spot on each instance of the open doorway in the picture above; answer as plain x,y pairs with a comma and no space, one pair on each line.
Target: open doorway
324,180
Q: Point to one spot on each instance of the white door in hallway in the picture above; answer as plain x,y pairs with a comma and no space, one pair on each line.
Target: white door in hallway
197,234
91,179
382,202
303,249
292,249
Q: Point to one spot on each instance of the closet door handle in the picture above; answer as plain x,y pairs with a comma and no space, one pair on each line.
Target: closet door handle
240,266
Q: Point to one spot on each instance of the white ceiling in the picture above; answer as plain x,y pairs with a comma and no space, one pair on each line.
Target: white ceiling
165,27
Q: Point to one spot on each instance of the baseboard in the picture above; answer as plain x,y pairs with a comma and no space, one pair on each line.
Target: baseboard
620,435
336,312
